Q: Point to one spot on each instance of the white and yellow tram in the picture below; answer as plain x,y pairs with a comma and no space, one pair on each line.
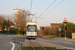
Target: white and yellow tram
31,30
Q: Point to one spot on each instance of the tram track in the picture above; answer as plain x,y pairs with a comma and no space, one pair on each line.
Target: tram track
34,44
41,42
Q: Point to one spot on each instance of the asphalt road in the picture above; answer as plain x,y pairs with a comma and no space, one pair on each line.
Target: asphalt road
58,42
6,39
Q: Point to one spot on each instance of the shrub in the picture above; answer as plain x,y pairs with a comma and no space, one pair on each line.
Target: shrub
13,30
50,30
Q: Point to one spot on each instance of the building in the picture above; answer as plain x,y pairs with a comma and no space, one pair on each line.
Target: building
12,25
55,24
41,27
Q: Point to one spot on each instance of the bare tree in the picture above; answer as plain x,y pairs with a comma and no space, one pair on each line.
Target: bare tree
1,19
21,20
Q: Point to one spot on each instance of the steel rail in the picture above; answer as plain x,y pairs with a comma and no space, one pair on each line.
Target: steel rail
32,44
41,45
37,43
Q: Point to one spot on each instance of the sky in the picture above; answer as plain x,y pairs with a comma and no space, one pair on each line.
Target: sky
65,9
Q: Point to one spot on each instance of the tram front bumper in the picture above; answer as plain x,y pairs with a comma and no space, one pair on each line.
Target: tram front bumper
31,36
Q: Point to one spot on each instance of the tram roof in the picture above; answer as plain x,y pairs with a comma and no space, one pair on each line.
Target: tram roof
31,23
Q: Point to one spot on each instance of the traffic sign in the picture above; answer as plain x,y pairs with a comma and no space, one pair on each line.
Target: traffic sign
59,29
8,29
65,20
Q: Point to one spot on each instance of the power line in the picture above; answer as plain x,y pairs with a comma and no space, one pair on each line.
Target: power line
47,8
31,6
53,8
30,9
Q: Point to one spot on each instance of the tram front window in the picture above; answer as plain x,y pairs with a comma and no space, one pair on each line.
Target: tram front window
31,29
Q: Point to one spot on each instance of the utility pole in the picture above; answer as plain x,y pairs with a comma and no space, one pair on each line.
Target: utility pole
29,16
36,17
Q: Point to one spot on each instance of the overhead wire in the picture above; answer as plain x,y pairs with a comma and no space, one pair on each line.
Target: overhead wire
30,8
47,8
52,9
33,14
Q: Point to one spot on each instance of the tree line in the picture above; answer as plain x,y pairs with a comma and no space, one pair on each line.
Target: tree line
18,21
53,30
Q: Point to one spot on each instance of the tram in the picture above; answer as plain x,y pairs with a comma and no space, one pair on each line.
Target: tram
31,30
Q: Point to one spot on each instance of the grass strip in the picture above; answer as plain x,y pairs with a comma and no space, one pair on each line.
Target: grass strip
39,48
27,48
50,48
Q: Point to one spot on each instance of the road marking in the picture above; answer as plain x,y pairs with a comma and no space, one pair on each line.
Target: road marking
13,46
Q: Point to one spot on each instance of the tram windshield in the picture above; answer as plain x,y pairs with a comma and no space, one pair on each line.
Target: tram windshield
31,28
